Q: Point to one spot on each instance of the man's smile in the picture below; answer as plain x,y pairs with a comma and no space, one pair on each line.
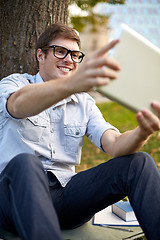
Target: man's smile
65,69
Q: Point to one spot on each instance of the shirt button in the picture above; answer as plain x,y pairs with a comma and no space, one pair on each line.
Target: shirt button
54,151
52,130
77,132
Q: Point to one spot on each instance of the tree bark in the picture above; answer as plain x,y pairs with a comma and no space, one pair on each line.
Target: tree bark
22,21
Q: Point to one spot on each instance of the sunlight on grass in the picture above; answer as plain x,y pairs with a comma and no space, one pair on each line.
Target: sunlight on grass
123,119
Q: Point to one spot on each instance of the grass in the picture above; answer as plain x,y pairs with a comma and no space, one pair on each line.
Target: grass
123,119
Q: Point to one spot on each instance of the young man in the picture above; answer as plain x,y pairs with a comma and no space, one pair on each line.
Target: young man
43,120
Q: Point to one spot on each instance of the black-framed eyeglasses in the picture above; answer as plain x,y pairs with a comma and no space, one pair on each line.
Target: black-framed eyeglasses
61,52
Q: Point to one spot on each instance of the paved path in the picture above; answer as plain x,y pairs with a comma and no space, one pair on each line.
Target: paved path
99,98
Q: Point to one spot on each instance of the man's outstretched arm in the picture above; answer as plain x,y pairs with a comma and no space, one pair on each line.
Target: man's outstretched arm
35,98
129,142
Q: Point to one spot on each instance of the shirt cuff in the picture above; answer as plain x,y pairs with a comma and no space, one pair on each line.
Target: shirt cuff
3,105
110,127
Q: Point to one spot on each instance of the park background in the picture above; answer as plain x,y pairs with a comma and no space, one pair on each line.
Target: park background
97,22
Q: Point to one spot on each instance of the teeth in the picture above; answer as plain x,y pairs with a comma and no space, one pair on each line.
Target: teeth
64,69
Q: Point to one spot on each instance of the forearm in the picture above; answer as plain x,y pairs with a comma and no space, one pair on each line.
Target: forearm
129,142
35,98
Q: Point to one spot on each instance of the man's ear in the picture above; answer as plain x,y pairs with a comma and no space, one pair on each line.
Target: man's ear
40,55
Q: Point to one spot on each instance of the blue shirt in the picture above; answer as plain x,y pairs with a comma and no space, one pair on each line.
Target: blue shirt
55,135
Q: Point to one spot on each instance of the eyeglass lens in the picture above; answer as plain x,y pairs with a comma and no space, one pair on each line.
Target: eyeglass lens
61,52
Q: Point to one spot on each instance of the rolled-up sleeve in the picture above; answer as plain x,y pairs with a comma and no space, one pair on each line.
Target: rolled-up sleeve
8,86
97,126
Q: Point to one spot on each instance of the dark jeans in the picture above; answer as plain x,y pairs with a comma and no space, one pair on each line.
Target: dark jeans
30,206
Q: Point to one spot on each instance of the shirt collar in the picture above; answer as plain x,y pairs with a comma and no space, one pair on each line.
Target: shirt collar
39,78
67,100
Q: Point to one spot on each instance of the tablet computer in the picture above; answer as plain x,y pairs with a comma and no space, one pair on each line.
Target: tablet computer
138,82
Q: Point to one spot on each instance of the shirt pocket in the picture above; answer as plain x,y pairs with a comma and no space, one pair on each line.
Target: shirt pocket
33,128
73,138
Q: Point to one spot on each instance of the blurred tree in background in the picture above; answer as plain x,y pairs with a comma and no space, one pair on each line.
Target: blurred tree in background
96,20
22,21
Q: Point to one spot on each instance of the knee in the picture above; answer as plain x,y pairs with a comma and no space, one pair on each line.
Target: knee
24,162
143,161
143,157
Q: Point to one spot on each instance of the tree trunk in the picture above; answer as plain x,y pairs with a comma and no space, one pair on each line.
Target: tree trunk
22,21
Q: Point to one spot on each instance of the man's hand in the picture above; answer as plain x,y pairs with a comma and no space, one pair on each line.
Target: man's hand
96,70
149,122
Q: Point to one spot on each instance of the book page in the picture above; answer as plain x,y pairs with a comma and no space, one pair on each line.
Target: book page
106,217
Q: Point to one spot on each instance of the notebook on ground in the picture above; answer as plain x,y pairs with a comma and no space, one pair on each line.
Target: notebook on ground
138,82
106,217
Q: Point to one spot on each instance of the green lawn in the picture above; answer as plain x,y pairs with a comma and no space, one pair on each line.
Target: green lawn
123,119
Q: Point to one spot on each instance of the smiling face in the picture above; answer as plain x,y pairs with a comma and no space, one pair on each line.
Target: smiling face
51,67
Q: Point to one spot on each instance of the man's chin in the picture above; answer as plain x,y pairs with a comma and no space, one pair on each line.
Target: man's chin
65,74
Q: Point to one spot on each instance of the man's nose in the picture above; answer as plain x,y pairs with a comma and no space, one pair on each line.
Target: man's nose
68,58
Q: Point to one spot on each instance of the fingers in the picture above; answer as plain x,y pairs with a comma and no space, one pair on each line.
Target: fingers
105,49
156,107
103,62
102,72
97,69
98,81
100,59
148,122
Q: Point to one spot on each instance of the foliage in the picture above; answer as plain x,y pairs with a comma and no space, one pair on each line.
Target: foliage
86,4
95,20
